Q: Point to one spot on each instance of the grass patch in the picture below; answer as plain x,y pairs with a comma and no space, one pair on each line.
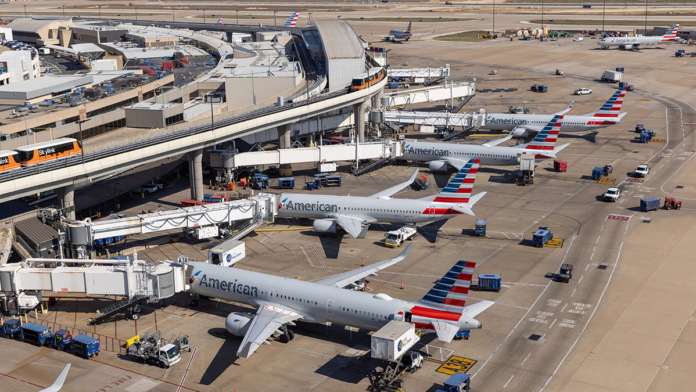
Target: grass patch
409,19
596,22
467,36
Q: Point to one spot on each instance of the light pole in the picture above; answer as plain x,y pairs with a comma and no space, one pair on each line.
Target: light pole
237,11
203,16
250,20
604,8
136,13
172,14
63,11
274,20
645,33
25,11
100,12
82,147
493,32
26,127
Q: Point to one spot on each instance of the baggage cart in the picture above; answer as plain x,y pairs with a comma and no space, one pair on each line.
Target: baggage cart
597,173
36,333
489,282
480,230
85,346
11,329
560,166
649,204
334,180
640,128
286,182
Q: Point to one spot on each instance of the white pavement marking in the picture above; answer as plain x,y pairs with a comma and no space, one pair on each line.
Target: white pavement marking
554,322
506,384
564,306
193,354
525,360
525,315
581,279
588,266
602,229
595,308
573,292
598,237
591,256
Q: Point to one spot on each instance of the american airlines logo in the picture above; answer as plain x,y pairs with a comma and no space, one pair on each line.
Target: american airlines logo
426,151
228,286
505,121
310,207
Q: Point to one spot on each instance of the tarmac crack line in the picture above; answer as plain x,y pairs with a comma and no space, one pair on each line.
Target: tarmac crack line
595,308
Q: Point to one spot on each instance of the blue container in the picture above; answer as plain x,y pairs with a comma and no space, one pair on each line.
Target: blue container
286,183
110,90
649,204
36,333
160,74
619,69
315,184
541,237
489,282
334,180
481,228
85,346
459,382
393,85
11,329
645,137
597,173
679,54
61,339
639,128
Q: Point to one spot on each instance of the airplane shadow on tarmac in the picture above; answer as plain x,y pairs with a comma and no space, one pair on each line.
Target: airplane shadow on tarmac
224,358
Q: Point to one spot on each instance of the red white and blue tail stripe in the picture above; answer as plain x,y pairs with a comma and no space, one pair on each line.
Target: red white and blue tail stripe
671,33
458,190
546,139
219,21
292,21
450,292
408,30
612,107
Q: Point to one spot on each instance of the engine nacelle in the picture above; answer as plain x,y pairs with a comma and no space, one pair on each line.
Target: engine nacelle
628,47
438,166
238,323
324,226
518,132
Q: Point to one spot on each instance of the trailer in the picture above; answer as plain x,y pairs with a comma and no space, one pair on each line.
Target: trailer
36,333
227,253
61,339
334,180
396,238
11,329
259,181
649,204
490,282
560,166
152,348
597,173
85,346
480,230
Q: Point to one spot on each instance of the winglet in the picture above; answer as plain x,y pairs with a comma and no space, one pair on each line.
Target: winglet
388,193
566,110
58,383
405,251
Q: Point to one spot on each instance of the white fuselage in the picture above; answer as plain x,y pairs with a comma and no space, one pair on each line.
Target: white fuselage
509,121
399,34
631,41
489,156
296,205
316,303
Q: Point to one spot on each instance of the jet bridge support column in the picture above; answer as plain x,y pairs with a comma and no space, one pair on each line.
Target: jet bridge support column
359,112
67,195
377,99
195,159
284,141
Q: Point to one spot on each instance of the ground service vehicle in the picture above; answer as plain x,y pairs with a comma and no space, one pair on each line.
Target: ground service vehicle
566,273
391,343
85,346
480,230
61,339
227,253
146,189
314,184
560,166
672,203
9,160
541,237
649,204
459,382
259,181
372,77
48,151
597,173
641,171
286,183
11,329
612,194
36,333
152,348
559,72
640,128
611,76
583,91
646,136
396,238
489,282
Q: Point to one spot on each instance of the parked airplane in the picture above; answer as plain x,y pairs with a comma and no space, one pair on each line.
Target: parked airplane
523,125
355,214
292,20
441,155
401,34
219,21
635,42
281,301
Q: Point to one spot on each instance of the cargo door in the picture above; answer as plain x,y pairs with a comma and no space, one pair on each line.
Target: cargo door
330,307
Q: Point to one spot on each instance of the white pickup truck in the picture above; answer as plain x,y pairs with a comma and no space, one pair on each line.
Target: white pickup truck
583,91
612,194
641,171
146,189
395,238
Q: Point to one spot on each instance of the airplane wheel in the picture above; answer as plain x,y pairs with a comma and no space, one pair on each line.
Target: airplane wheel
135,316
291,334
284,338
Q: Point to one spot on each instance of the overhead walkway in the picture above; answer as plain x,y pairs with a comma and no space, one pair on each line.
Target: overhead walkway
449,92
428,73
473,120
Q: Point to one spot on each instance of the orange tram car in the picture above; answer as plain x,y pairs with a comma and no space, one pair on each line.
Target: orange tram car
9,160
48,151
372,77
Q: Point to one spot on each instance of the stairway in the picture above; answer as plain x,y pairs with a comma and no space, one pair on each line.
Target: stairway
117,307
369,167
245,229
452,135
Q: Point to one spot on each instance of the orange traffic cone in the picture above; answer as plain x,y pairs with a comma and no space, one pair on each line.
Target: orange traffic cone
363,262
402,285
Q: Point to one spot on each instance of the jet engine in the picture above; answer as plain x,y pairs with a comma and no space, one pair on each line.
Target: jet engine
324,226
518,132
238,323
628,47
439,166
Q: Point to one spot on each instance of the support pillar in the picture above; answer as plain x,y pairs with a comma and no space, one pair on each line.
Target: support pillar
67,195
359,112
196,174
377,99
284,141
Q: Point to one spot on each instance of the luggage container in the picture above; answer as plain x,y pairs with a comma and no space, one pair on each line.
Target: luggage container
36,333
541,237
393,340
333,180
559,165
597,173
649,204
459,382
489,282
85,346
227,253
286,182
645,137
480,230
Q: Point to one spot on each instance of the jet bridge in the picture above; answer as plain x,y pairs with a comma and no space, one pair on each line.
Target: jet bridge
425,73
466,121
448,92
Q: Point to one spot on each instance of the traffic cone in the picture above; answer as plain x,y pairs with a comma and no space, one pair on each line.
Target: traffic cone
402,285
363,262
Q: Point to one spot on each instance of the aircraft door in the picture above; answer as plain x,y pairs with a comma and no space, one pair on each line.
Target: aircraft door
330,307
407,317
272,295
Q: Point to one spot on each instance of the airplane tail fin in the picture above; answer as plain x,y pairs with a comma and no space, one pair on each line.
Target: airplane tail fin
219,20
408,30
450,293
458,190
612,107
671,34
546,139
292,21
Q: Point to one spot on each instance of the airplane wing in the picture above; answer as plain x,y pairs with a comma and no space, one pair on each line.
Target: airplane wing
498,141
383,36
475,309
413,35
268,319
58,383
566,110
388,193
456,163
351,224
346,278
